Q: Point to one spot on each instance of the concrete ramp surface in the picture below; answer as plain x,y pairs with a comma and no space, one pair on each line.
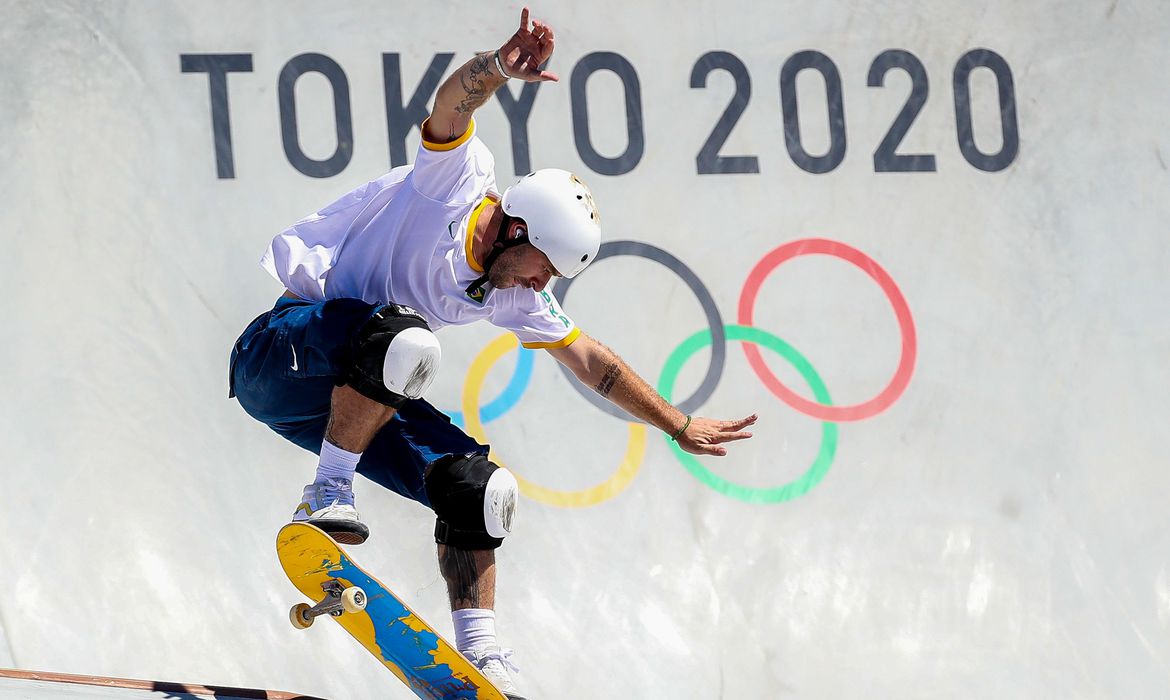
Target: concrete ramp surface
30,685
926,241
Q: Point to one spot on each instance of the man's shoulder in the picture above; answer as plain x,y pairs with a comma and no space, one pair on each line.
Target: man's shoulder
462,174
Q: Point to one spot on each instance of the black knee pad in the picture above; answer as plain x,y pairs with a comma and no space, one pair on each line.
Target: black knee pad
393,356
474,501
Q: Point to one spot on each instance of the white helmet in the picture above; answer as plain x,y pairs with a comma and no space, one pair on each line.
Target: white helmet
561,217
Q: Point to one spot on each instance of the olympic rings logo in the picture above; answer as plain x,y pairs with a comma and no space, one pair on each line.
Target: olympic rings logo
473,415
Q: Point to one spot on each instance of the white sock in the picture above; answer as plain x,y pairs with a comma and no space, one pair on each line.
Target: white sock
475,628
336,463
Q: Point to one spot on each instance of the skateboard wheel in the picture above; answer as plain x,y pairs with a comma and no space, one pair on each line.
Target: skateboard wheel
353,600
299,616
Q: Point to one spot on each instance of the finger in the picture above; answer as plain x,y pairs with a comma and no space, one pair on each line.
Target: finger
546,45
713,450
531,63
739,424
538,28
523,63
545,75
728,437
524,20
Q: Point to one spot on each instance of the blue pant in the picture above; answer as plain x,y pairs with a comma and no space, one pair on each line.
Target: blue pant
284,368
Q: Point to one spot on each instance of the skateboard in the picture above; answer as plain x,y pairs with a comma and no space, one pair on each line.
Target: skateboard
397,637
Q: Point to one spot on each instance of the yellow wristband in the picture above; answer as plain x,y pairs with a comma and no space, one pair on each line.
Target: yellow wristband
681,430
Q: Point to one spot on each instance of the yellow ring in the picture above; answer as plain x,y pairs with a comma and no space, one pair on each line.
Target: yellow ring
626,471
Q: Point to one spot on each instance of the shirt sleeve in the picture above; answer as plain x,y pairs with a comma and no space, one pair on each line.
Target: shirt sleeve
458,172
537,321
301,256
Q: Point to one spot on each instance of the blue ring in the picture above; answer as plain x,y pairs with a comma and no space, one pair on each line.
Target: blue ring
509,397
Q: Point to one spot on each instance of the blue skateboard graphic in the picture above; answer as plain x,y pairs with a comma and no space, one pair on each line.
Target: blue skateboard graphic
429,665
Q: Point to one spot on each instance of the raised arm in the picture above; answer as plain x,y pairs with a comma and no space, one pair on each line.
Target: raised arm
473,84
600,368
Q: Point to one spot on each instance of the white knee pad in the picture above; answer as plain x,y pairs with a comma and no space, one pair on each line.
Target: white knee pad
499,503
394,356
412,359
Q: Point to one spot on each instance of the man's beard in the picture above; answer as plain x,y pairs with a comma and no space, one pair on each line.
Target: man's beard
503,273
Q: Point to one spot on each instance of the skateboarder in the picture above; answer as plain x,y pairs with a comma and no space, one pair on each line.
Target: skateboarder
340,364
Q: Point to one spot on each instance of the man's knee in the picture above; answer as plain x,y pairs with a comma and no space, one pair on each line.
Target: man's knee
474,501
394,356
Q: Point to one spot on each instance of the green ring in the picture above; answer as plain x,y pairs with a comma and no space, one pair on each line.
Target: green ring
793,489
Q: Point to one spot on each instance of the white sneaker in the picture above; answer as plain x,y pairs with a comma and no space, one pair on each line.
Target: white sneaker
496,665
329,505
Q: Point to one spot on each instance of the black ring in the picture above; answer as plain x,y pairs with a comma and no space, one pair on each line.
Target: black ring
637,249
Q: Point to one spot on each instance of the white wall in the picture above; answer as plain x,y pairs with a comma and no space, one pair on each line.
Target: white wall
998,530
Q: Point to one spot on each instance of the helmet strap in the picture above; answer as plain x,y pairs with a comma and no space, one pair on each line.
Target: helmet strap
475,290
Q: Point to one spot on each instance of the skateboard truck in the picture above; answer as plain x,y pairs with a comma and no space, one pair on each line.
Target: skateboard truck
338,600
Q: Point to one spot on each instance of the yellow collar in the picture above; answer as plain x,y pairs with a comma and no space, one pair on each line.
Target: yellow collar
471,261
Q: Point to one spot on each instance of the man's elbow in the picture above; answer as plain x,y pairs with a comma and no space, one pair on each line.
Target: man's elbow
596,360
578,357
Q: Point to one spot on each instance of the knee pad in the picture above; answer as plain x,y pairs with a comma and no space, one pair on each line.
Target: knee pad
394,356
474,501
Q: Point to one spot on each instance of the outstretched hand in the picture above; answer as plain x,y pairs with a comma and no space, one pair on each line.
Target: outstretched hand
705,435
527,50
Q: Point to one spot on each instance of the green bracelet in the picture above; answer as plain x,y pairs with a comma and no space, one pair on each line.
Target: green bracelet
681,430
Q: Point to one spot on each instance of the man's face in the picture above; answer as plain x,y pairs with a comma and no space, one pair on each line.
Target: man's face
522,266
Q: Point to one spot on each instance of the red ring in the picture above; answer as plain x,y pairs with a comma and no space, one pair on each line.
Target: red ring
838,414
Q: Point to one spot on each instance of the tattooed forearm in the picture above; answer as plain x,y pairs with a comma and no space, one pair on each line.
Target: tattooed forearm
464,91
609,375
612,371
478,82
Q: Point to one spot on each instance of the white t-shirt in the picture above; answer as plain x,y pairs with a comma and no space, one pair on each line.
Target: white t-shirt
406,238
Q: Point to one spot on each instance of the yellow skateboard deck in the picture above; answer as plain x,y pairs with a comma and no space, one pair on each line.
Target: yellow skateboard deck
397,637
